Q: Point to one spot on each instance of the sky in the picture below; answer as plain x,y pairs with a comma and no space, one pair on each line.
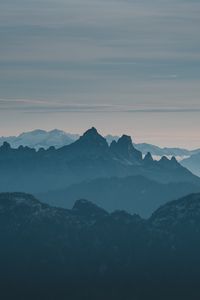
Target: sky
123,66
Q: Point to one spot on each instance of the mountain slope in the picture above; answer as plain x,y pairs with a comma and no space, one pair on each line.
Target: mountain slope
58,138
90,157
135,194
86,253
192,163
167,151
40,139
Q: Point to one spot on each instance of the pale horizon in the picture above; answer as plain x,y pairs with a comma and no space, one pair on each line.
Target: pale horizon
149,134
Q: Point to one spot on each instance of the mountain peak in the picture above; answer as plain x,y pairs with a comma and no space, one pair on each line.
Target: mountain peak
92,131
125,140
124,149
56,131
148,157
164,159
33,133
6,146
174,160
91,138
88,209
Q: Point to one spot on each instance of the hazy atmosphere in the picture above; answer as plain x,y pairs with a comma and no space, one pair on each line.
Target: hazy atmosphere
121,66
99,149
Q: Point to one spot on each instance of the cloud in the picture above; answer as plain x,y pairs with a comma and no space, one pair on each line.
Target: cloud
37,106
45,107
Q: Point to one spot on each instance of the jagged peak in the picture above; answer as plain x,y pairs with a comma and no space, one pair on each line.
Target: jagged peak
113,144
6,146
125,139
92,134
164,159
173,159
91,131
92,137
124,147
124,143
148,157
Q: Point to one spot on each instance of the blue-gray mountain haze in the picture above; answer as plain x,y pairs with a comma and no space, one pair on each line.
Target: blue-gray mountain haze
112,175
98,215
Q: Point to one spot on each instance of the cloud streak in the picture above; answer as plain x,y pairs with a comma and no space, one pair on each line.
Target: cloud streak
41,106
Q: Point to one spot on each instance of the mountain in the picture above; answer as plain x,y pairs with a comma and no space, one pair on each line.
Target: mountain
40,139
58,138
184,211
192,163
134,194
110,138
91,143
123,149
156,151
90,157
86,253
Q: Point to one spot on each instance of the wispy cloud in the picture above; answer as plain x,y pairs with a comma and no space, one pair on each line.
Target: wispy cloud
42,106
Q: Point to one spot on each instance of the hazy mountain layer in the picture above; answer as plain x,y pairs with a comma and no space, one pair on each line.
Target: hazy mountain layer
41,139
90,157
58,138
192,163
134,194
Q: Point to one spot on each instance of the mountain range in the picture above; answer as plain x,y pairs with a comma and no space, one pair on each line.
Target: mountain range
40,139
87,253
58,138
192,163
88,162
134,194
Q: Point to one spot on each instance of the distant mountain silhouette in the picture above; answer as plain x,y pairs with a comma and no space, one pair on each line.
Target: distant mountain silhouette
41,139
86,253
192,163
123,149
90,143
134,194
58,138
90,157
156,151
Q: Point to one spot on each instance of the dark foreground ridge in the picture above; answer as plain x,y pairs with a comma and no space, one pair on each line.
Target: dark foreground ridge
87,253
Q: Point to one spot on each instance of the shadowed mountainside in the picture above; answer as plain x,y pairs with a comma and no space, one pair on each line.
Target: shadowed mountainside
87,253
134,194
58,138
90,157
